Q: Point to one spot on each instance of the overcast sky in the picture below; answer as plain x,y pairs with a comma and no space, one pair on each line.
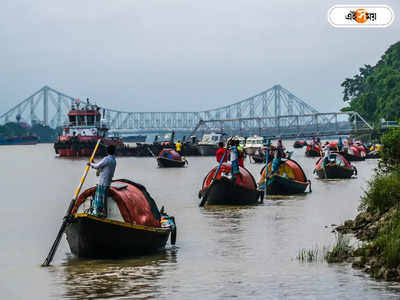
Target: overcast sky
182,55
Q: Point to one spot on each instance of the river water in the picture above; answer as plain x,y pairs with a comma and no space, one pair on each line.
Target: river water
221,252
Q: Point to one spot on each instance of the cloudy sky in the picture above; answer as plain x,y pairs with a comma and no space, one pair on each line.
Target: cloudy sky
181,55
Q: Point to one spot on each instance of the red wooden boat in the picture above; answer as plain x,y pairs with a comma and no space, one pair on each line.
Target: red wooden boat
290,179
313,151
85,127
338,167
133,224
222,190
169,158
299,144
333,146
353,153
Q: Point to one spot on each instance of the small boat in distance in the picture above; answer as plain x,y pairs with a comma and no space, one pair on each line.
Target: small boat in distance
253,143
19,140
209,144
133,225
134,138
299,144
169,158
313,151
222,190
337,168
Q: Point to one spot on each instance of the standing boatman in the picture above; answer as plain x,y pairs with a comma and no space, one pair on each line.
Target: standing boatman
107,168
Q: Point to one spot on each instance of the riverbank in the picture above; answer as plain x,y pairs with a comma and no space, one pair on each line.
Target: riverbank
377,225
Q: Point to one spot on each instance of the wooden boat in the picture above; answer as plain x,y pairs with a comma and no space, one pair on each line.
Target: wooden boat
133,225
373,154
169,158
313,151
334,146
353,154
290,179
258,158
338,167
209,144
299,144
222,190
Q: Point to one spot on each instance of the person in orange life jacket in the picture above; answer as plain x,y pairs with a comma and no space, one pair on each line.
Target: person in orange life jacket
220,152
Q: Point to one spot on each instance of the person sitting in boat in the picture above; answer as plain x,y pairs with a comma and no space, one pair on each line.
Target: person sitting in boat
220,152
178,147
234,161
107,168
241,153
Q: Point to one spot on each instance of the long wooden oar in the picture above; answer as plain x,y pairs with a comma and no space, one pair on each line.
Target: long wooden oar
53,249
151,152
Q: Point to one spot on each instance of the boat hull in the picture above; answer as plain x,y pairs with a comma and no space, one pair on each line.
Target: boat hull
351,157
335,172
312,153
278,185
258,158
299,144
92,237
223,192
170,163
207,150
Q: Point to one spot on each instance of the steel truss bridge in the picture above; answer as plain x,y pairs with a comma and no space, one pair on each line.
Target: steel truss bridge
273,112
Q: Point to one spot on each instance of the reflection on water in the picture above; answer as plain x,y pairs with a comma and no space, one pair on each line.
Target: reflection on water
89,279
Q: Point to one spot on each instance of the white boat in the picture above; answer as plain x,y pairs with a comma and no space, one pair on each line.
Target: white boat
253,144
209,144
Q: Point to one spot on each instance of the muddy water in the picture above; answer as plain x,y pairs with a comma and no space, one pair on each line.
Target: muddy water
249,252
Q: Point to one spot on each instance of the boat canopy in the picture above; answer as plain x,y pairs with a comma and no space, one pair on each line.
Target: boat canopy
245,180
290,169
170,154
213,138
337,159
134,202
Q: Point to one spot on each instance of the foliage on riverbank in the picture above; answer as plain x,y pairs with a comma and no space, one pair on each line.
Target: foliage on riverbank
378,223
375,92
45,133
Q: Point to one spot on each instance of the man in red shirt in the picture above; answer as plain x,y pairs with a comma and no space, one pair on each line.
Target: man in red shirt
220,152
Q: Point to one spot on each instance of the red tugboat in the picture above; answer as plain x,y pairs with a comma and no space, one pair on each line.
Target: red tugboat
85,126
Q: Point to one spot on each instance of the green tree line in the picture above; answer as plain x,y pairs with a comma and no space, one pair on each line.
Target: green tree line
375,91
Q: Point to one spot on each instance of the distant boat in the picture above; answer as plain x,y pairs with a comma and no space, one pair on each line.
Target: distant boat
209,144
253,144
134,138
19,140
